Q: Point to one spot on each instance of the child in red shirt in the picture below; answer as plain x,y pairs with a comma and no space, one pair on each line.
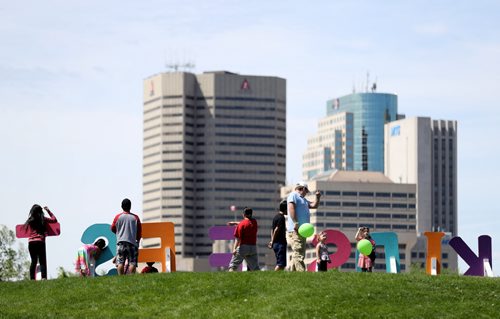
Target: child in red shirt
245,244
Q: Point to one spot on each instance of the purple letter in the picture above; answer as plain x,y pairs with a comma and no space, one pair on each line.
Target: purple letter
476,266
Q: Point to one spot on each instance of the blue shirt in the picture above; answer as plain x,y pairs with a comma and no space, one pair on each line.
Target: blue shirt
301,211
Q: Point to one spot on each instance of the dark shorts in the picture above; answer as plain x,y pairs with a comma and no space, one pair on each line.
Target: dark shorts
126,251
280,252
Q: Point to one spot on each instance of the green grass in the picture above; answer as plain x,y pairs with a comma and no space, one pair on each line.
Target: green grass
254,295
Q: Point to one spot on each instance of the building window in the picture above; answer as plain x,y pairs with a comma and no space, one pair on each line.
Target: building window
350,193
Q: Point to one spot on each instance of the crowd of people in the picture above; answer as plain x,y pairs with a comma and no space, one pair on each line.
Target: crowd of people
293,212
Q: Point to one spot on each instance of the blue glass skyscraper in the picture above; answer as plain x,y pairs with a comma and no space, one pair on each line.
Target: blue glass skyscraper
371,111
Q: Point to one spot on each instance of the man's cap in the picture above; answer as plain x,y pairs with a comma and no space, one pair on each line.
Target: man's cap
301,184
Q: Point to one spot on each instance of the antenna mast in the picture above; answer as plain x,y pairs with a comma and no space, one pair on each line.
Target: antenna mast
174,67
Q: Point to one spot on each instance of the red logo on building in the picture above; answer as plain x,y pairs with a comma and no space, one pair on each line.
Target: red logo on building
245,85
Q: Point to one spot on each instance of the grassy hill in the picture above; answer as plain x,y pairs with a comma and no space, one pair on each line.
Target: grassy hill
254,295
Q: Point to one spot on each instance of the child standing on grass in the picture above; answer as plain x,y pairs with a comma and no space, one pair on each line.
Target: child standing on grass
322,254
37,225
366,262
87,256
278,236
245,243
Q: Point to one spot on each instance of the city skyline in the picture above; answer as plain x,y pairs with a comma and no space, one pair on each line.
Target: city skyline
71,106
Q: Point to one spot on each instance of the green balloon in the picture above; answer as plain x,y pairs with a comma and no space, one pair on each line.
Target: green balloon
365,247
306,230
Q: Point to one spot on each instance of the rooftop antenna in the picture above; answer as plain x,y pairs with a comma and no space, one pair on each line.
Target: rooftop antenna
367,81
176,63
182,66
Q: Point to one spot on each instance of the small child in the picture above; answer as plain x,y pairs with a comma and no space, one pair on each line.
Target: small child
322,255
366,262
149,268
87,256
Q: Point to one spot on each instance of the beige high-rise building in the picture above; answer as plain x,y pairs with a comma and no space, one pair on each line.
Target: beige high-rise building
212,141
423,151
331,147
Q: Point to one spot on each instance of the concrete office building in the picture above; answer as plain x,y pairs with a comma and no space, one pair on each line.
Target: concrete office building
352,199
371,111
332,146
211,141
423,151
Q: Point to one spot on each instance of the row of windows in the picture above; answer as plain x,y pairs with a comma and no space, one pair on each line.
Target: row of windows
374,226
219,98
370,194
423,255
364,215
240,162
260,154
367,205
248,144
246,135
249,118
246,126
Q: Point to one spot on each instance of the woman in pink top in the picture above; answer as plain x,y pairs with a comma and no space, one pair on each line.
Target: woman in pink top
36,224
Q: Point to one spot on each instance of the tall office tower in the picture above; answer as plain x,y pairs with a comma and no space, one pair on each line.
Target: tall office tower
424,151
370,112
212,141
331,148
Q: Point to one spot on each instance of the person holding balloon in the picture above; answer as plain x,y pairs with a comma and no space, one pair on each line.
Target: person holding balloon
298,214
366,247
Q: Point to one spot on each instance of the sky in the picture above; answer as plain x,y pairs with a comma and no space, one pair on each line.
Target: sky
71,89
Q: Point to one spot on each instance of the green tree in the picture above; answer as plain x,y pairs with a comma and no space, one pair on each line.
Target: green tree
14,264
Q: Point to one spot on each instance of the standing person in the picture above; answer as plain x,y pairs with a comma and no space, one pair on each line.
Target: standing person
36,224
322,254
128,230
365,262
245,243
298,214
86,258
278,236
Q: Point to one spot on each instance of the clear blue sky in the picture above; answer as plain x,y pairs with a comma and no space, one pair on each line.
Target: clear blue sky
71,89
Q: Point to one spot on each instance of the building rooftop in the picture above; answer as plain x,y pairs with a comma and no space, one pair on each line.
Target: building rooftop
353,176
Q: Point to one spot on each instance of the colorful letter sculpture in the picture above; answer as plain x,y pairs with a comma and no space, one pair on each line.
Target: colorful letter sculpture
91,234
164,231
433,253
53,229
338,258
476,263
479,265
221,233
